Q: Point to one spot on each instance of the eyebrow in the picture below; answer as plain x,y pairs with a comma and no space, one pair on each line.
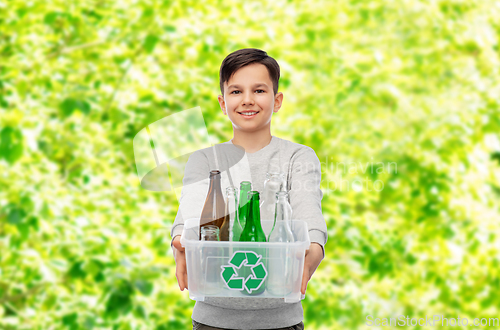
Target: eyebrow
255,86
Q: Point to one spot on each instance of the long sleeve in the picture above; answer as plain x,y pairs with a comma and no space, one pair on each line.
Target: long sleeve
305,194
194,191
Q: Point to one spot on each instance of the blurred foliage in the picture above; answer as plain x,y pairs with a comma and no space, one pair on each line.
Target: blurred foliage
83,246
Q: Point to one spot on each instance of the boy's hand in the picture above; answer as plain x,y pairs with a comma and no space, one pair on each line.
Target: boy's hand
180,263
313,258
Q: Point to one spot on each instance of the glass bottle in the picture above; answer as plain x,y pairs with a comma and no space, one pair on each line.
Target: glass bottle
231,229
245,187
253,230
210,262
210,233
281,268
253,233
214,208
278,177
274,182
282,231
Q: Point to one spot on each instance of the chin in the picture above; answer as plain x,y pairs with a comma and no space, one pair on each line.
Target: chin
249,127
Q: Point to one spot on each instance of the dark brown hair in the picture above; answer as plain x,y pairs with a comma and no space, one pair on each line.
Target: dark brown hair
242,57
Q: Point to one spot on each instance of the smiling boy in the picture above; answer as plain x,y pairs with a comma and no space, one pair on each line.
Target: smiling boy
249,86
249,101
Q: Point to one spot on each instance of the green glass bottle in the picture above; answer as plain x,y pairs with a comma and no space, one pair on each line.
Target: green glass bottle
253,229
253,233
245,187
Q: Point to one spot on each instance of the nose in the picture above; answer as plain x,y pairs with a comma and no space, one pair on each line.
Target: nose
248,99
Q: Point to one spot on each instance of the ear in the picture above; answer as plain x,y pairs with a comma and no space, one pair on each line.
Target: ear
222,104
278,101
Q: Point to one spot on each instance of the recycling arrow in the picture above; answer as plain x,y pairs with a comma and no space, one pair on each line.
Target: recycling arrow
252,258
238,258
244,259
235,283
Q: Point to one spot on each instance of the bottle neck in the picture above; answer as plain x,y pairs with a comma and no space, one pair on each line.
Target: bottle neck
215,183
231,193
244,190
283,208
231,198
282,196
276,179
215,179
253,209
282,200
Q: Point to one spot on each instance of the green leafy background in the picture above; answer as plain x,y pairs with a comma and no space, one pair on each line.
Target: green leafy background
415,83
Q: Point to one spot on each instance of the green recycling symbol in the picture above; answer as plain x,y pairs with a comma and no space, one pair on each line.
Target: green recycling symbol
238,260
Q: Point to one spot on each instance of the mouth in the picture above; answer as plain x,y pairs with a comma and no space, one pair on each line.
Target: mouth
248,114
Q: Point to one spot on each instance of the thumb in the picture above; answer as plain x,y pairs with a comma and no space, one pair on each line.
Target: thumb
177,244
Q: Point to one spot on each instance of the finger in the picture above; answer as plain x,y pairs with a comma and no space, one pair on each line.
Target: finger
305,279
182,281
180,278
181,274
185,281
183,278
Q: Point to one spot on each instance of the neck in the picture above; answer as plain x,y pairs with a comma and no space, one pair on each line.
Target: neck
252,142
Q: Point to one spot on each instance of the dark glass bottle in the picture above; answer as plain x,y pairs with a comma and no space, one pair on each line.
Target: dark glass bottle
214,208
245,187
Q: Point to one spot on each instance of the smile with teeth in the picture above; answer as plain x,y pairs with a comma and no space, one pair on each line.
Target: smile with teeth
248,113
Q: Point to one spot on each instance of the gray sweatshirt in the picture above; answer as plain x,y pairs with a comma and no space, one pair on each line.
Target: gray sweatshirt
303,176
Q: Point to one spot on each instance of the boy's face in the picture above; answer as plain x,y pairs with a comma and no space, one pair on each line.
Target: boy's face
250,90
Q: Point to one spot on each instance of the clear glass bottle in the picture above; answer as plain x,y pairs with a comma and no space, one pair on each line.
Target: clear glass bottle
210,233
281,270
210,261
282,231
274,183
245,187
278,177
231,229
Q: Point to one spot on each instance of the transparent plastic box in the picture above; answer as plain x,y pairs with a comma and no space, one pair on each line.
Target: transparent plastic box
245,269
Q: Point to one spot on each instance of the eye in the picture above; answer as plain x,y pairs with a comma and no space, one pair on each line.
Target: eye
261,90
233,92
